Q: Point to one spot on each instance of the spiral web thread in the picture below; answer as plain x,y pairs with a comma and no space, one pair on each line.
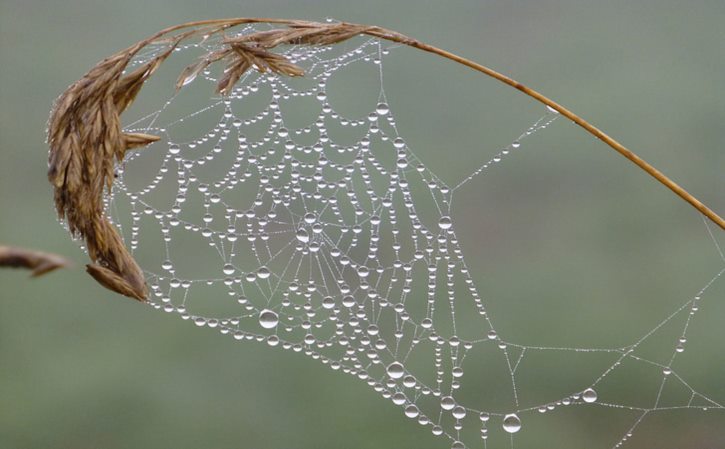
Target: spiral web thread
333,255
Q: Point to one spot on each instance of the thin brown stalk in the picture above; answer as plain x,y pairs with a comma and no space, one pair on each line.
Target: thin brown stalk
38,261
86,139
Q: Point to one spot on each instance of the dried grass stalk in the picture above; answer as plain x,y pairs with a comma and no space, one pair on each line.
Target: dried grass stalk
39,262
86,139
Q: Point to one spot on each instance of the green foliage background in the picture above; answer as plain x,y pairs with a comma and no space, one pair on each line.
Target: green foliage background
571,244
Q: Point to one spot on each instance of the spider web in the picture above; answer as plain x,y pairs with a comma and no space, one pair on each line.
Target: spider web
329,237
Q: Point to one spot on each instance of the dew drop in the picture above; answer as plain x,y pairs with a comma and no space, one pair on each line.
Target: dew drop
511,423
328,302
228,269
303,236
268,319
310,218
412,411
447,403
263,273
382,109
459,412
589,395
445,223
396,370
409,381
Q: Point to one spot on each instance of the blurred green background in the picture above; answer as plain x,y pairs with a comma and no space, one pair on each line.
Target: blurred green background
569,243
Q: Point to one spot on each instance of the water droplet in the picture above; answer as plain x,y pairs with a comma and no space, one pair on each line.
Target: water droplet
447,403
228,269
310,218
396,370
511,423
589,395
174,149
445,222
268,319
459,412
412,411
263,272
382,109
303,236
458,445
409,381
328,302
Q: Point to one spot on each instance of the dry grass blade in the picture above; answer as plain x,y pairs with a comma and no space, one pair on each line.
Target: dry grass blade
253,51
243,57
86,140
191,72
39,262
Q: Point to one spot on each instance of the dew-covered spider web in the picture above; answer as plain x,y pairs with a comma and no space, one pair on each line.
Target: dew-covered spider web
271,216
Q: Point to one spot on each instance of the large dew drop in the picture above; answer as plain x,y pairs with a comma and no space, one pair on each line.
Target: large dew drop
268,319
511,423
412,411
310,218
263,273
396,370
382,109
589,395
303,236
459,412
447,403
445,223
